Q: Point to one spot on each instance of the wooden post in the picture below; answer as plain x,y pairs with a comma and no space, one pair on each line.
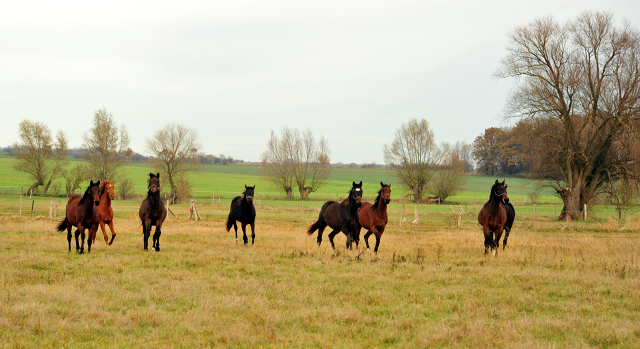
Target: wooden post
50,209
415,215
459,215
21,205
213,199
32,202
555,211
534,210
301,204
55,209
401,213
585,212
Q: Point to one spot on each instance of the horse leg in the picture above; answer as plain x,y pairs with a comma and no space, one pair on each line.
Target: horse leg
506,236
77,234
146,231
156,238
349,239
244,233
487,240
366,238
82,236
321,227
69,235
358,228
113,233
253,234
375,250
235,227
331,235
104,233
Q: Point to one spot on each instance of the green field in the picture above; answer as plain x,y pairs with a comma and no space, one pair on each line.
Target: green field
557,284
227,181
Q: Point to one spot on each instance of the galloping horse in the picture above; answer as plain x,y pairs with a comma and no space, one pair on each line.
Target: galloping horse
152,212
511,216
81,213
243,211
493,217
374,217
340,217
105,212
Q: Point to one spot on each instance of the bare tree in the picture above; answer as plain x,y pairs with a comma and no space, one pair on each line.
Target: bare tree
175,149
414,155
38,156
105,146
583,81
296,159
450,177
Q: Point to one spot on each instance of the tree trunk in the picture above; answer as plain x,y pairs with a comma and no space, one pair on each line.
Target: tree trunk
304,192
46,188
31,188
289,191
417,194
572,203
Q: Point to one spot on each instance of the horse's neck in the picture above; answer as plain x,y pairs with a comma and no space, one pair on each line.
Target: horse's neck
382,204
88,206
353,206
106,199
494,203
154,199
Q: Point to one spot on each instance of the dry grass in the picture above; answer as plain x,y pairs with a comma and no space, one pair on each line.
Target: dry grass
429,286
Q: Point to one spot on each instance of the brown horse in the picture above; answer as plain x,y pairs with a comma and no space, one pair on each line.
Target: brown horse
81,212
152,212
493,217
105,212
374,217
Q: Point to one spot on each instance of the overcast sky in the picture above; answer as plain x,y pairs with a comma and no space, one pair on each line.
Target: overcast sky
351,71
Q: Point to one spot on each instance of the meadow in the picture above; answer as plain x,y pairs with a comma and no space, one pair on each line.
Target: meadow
557,284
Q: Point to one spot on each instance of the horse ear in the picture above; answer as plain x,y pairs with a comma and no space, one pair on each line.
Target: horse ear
496,182
91,182
158,175
98,184
503,181
245,187
381,184
360,183
254,186
354,184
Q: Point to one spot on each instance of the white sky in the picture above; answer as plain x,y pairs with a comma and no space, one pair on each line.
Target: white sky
352,71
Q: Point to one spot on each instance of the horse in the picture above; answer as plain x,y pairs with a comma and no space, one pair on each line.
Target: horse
493,217
152,212
105,212
243,211
374,217
81,212
511,216
341,217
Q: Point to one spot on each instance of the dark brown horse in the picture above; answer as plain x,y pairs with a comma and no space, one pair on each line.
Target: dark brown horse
152,212
243,211
341,217
81,213
373,217
105,212
493,217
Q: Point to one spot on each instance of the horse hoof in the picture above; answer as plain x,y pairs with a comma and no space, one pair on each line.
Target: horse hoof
153,249
494,252
146,250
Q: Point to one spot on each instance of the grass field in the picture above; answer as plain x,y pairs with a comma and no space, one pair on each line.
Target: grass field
556,285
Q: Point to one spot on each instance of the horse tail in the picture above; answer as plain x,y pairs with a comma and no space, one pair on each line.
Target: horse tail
63,225
228,223
312,228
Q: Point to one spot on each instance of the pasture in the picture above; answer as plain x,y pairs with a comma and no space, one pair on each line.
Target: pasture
430,285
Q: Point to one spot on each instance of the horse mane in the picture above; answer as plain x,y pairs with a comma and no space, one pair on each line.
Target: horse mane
85,195
377,201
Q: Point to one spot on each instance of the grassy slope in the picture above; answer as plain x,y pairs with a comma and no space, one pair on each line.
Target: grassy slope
228,181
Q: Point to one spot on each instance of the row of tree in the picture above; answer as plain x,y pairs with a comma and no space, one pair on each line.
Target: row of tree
105,150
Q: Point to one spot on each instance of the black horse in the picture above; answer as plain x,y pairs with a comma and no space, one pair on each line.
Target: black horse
493,217
511,216
341,217
81,212
152,212
243,211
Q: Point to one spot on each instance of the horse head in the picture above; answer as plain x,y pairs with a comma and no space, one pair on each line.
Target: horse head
154,183
385,192
356,193
107,187
498,190
248,192
94,191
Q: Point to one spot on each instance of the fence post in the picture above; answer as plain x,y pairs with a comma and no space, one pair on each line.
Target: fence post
401,213
585,212
21,205
50,209
32,202
555,210
459,215
213,199
534,210
415,215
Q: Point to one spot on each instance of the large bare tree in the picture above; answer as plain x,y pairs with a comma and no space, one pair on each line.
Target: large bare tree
38,156
175,150
295,159
105,146
582,80
450,177
414,155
